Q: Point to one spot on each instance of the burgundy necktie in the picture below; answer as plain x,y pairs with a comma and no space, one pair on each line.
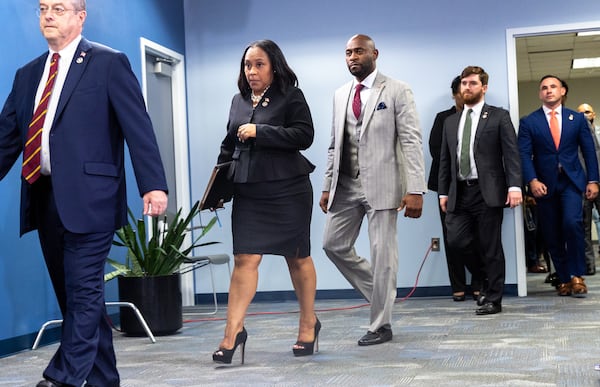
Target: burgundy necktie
33,146
356,101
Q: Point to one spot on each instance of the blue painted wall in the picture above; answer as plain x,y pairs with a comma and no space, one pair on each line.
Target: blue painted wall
26,295
423,42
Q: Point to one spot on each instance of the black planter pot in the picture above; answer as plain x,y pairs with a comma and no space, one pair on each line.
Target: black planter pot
158,299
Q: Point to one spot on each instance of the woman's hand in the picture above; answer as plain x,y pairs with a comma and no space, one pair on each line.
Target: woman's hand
246,131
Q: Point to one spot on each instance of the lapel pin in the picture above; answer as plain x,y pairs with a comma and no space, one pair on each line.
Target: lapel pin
266,102
485,115
81,56
570,117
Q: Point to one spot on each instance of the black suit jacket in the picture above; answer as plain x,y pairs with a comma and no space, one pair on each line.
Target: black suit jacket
496,157
283,128
435,145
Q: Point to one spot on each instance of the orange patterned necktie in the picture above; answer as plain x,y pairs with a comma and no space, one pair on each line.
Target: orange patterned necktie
33,146
554,128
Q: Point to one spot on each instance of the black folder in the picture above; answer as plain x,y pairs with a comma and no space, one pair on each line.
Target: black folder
219,189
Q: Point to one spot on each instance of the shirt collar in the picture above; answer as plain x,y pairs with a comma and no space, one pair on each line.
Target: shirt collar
476,108
368,81
547,110
67,53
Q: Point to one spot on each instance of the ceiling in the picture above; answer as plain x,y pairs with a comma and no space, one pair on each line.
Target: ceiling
553,54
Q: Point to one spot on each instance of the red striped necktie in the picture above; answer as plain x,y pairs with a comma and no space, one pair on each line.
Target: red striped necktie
33,146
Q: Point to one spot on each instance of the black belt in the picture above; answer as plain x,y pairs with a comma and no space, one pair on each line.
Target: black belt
469,182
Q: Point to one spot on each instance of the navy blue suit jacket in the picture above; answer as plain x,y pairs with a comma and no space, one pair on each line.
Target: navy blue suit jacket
100,106
540,158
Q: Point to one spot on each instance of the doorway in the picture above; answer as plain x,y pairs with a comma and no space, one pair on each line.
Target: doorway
533,52
163,87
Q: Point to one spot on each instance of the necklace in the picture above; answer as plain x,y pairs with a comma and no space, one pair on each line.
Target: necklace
256,98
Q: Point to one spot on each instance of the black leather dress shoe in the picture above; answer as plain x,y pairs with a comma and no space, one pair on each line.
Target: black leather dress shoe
481,299
371,338
489,308
50,383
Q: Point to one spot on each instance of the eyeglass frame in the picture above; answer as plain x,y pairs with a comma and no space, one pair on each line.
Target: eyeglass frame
55,10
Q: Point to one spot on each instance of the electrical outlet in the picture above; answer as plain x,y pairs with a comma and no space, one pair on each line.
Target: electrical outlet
435,244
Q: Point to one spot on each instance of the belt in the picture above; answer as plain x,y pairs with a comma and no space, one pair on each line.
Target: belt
469,182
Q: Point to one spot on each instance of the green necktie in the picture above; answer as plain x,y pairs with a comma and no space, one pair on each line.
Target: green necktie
465,157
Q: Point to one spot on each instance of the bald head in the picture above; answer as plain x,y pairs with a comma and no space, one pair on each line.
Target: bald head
361,56
588,111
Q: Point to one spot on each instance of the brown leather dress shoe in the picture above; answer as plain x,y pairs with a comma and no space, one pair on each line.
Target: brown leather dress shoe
537,269
578,287
564,289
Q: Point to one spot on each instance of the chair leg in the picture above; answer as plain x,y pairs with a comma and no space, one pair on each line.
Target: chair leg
138,315
45,325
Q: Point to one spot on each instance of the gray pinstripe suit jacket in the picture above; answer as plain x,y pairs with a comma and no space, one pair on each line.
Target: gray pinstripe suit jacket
390,149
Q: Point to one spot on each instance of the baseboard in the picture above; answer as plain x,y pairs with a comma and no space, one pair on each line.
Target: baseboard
341,294
25,342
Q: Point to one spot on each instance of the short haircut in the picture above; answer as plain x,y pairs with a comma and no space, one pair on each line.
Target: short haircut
470,70
455,85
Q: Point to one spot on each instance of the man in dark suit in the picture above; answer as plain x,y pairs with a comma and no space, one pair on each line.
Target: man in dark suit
480,173
550,141
86,101
456,263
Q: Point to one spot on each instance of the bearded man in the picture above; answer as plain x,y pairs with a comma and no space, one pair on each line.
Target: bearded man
480,174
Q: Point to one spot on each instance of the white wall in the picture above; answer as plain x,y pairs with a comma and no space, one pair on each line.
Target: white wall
425,43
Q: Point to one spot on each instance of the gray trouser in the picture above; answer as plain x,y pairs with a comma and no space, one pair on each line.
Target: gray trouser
375,280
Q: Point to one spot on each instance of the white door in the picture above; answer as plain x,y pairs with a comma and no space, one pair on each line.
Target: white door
163,85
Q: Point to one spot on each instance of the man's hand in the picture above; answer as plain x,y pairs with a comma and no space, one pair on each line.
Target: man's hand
413,204
444,203
323,201
537,188
591,191
155,203
514,198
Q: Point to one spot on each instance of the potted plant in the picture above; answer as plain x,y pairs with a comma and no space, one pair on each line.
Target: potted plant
150,277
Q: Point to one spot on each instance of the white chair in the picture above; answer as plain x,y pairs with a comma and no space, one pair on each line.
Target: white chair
199,261
137,312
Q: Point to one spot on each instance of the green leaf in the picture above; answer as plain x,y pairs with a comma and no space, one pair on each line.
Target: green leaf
163,252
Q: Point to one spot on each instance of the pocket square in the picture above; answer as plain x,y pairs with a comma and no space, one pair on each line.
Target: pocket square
381,106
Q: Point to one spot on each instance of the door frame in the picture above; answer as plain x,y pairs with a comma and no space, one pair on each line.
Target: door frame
513,100
180,136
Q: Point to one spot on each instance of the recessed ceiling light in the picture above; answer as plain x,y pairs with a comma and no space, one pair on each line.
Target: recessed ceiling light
588,33
585,63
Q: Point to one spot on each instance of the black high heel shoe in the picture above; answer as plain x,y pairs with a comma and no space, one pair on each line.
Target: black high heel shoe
224,356
308,348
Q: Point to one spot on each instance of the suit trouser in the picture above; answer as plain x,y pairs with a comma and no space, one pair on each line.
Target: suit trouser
561,222
75,264
376,281
475,225
590,256
457,263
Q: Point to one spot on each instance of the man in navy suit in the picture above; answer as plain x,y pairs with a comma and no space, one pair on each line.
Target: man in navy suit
479,175
550,140
79,199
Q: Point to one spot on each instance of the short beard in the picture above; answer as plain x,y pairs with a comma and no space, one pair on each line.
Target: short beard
362,72
473,99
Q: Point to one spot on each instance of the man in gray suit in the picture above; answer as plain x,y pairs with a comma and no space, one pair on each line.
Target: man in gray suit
480,174
375,157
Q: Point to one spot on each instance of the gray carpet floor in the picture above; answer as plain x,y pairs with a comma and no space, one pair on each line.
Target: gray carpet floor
538,340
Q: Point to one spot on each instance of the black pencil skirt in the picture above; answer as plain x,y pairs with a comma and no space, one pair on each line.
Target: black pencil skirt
273,217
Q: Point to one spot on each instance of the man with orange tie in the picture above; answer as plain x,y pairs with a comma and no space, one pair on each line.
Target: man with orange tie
70,111
550,140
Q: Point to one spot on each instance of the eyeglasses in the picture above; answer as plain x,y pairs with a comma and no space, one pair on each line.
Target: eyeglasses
57,10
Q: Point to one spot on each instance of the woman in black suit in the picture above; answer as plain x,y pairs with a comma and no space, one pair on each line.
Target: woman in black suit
269,124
